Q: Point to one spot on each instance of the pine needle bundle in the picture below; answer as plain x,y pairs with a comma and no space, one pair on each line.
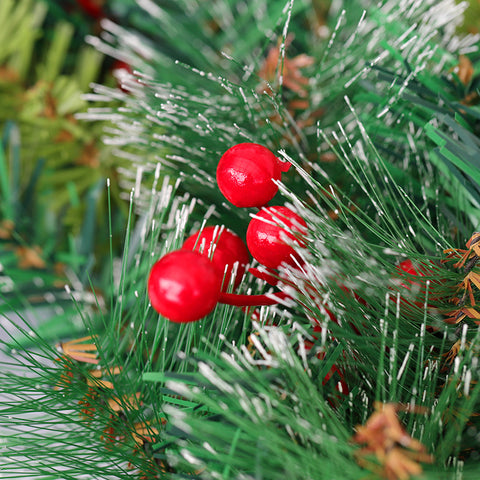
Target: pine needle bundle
363,363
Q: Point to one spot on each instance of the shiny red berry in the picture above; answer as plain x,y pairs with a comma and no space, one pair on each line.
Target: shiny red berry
224,248
245,173
267,235
184,286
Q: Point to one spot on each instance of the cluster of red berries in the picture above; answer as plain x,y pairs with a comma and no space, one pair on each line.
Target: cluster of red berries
186,285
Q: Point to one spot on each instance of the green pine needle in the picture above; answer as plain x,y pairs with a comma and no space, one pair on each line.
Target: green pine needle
263,394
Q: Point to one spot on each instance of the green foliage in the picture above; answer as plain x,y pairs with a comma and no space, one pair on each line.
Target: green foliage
265,416
41,93
38,257
384,153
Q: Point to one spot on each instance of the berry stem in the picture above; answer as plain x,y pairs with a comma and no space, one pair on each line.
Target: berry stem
269,276
250,300
284,166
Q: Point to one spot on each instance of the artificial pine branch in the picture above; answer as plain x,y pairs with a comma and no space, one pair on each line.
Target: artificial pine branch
362,330
41,91
53,168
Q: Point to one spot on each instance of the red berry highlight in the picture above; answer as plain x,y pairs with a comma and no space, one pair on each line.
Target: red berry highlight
245,173
266,236
184,286
224,248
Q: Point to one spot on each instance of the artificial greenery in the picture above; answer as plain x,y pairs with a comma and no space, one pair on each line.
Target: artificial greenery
369,367
42,90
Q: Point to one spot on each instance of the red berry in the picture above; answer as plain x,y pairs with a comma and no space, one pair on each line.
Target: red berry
184,286
94,8
245,173
411,271
407,266
227,247
266,236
